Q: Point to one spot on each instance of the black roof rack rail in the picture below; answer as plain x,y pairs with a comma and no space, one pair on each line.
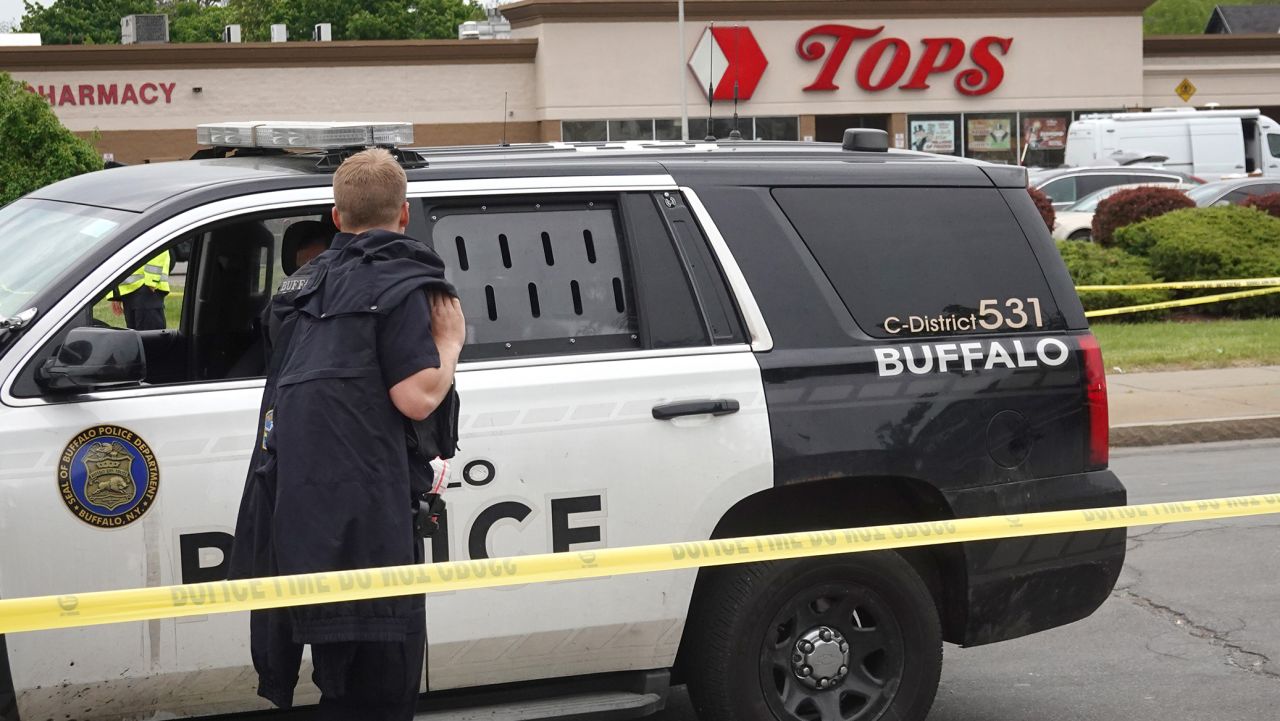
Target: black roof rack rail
408,158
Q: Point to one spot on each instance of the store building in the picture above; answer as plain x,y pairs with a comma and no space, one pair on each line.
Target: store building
994,79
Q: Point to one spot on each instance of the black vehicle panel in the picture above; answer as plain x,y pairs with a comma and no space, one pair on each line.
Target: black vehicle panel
834,415
1042,244
896,253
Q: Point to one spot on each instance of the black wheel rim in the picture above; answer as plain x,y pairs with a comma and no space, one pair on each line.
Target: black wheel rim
875,655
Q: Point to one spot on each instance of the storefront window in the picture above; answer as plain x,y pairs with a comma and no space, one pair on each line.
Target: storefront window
992,137
584,131
783,128
664,129
600,131
720,127
934,134
630,130
1044,139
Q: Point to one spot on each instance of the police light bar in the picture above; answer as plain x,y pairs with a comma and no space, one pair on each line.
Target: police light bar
308,135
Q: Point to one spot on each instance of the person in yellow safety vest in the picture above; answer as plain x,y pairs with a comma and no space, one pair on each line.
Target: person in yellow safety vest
140,298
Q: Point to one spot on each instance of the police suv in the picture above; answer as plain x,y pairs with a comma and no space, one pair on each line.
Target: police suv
666,342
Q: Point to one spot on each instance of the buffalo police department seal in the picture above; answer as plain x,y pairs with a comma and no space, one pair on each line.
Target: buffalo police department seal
108,476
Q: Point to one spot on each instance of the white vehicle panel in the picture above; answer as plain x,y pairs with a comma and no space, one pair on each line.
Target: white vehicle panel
201,442
586,431
555,431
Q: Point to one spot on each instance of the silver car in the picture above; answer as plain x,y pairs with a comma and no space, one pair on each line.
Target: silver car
1232,192
1067,186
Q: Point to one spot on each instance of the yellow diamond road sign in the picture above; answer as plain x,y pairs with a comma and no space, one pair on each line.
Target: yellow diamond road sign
1185,90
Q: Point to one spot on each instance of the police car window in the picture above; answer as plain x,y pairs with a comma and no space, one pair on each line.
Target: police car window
41,239
198,301
911,262
545,278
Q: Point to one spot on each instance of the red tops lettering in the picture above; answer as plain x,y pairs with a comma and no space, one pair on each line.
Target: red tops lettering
885,62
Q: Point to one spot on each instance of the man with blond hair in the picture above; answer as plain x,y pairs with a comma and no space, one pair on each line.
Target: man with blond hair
369,337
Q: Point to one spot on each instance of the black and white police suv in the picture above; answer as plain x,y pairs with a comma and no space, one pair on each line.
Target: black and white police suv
666,342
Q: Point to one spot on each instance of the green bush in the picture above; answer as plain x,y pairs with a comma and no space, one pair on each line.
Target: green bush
1091,264
35,149
1211,244
1134,205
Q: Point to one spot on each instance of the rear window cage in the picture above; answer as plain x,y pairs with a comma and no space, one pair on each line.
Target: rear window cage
538,278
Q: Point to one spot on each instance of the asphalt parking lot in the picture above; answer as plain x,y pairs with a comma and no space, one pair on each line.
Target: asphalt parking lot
1192,633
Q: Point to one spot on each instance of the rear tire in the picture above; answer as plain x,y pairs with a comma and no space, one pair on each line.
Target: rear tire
844,638
1081,235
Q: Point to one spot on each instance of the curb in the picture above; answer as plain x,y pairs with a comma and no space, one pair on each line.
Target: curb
1197,431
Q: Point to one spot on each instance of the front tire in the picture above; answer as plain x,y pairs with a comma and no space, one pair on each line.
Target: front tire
1081,235
844,638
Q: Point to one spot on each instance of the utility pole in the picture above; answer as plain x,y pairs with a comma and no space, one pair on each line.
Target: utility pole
684,96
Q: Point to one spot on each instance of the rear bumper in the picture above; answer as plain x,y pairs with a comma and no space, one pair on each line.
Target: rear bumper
1019,586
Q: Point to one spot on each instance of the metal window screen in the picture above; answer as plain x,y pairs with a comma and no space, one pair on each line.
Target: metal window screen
537,275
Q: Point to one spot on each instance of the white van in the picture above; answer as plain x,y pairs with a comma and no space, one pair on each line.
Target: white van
1209,144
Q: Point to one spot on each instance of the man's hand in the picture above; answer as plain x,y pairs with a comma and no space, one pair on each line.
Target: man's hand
448,325
117,307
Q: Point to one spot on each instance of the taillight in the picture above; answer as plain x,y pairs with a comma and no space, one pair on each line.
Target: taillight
1095,378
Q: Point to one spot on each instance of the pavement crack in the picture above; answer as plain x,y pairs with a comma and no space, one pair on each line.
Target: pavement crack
1237,656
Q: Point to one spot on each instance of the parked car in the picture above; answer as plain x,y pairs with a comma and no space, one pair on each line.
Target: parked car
1233,192
1076,222
1207,143
1068,186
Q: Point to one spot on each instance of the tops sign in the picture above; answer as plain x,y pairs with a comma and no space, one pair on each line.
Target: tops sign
939,56
729,59
106,94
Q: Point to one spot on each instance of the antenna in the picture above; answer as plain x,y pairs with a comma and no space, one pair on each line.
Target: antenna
711,85
504,143
735,134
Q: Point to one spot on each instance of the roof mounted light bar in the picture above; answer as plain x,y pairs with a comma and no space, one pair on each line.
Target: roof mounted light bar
304,135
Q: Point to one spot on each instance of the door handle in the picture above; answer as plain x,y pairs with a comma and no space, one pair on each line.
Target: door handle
716,407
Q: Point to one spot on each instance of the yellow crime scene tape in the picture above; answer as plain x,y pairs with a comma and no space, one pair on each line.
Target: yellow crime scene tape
1180,303
1187,285
142,604
1260,286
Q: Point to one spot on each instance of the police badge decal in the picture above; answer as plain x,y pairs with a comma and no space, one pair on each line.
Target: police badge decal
108,476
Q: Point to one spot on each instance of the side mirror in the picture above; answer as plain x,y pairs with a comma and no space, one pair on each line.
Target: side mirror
95,359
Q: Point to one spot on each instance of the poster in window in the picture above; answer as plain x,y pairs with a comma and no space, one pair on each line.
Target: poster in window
933,136
1044,133
989,134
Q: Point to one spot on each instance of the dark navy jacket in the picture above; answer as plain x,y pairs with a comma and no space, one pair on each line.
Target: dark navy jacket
328,486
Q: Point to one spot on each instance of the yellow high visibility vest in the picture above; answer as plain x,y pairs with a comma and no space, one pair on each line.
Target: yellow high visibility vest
154,274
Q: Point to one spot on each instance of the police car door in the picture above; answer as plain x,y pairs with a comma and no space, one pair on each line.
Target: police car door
139,485
609,398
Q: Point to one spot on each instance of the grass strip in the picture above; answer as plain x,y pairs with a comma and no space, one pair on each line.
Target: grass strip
1189,344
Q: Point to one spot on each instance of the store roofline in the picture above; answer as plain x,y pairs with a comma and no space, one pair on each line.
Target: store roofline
1234,44
291,54
533,12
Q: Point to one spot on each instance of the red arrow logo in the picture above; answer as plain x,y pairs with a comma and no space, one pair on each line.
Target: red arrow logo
725,55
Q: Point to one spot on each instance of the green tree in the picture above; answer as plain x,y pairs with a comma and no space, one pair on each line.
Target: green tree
354,19
1185,17
35,149
195,21
98,21
76,22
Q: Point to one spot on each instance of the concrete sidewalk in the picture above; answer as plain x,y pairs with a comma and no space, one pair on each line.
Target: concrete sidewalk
1152,409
